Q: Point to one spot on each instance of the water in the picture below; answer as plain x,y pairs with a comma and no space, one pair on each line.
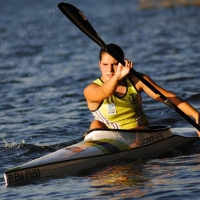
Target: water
45,63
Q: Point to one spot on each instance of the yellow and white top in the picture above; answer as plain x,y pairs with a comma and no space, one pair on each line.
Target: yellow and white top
121,112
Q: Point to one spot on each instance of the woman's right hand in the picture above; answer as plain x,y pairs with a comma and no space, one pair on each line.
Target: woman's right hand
122,71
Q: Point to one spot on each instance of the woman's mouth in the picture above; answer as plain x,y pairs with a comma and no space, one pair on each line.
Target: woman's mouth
110,75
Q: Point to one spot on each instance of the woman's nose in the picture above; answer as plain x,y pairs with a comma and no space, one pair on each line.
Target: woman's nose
110,67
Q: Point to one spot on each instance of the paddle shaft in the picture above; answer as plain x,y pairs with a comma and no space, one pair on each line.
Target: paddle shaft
77,17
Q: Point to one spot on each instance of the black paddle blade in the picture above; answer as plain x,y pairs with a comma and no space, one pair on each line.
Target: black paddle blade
77,17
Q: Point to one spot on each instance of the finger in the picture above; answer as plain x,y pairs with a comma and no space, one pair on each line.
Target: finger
128,63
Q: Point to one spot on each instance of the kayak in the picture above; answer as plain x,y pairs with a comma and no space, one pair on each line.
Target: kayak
101,146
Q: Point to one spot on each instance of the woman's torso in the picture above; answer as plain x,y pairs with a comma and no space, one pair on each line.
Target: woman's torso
124,111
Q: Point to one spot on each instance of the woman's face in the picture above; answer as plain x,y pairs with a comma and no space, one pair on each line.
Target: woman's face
108,66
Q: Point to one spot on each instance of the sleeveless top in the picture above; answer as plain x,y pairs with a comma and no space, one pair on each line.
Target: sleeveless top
124,112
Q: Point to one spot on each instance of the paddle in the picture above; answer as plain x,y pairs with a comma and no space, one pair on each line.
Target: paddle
77,17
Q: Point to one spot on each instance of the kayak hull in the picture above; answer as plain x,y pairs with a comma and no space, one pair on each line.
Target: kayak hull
100,146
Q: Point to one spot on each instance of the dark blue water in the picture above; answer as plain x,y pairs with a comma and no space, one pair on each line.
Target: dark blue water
45,63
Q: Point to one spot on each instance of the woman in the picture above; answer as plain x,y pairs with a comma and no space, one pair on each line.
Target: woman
114,98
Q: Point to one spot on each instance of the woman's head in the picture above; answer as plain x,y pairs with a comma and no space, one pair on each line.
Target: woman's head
115,48
108,64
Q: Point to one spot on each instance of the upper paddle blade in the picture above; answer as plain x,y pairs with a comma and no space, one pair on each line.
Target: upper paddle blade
77,17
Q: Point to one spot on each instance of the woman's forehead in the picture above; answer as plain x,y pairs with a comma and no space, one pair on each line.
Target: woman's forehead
108,57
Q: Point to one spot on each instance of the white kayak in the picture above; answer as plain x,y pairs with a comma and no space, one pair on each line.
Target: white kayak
101,146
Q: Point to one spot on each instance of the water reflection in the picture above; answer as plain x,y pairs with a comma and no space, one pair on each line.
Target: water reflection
120,174
118,177
146,178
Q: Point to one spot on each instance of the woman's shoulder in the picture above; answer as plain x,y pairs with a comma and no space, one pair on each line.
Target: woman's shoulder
136,81
98,81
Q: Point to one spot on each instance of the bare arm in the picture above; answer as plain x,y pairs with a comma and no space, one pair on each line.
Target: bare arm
183,105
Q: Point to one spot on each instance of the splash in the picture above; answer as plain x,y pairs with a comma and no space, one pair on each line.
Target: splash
13,144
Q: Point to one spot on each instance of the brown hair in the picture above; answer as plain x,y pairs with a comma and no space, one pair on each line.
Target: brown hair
115,48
